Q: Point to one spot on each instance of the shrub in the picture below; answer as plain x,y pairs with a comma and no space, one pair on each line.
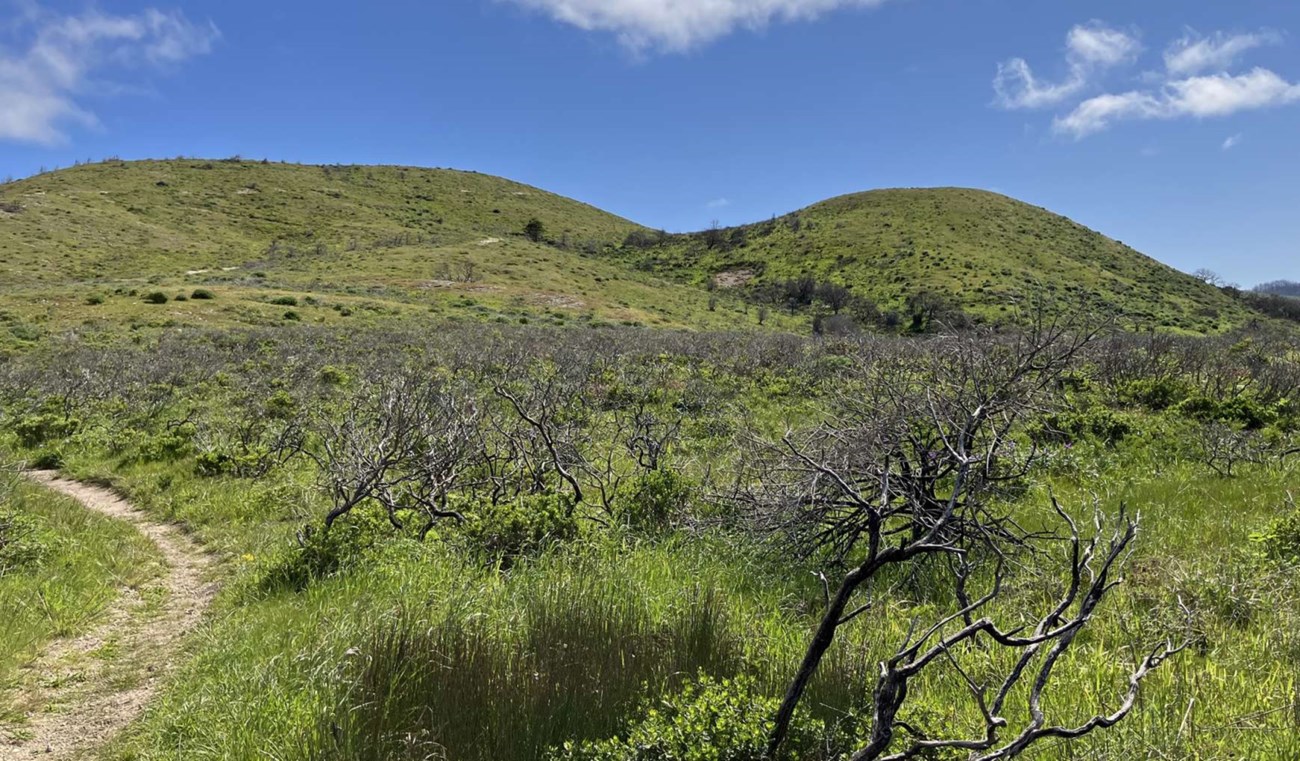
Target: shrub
34,430
1281,539
525,526
321,554
285,301
155,297
95,299
22,543
1099,424
202,294
652,500
1154,393
292,316
708,720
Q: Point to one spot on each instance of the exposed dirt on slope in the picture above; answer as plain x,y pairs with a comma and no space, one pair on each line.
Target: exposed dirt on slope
83,691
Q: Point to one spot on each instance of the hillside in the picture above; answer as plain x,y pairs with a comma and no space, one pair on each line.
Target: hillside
977,249
128,243
82,246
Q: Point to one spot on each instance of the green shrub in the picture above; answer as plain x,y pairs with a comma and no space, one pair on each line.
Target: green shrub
34,430
23,543
292,316
708,720
1154,393
181,297
48,460
95,299
1281,540
202,294
1098,424
320,554
654,499
523,527
1248,412
155,297
285,301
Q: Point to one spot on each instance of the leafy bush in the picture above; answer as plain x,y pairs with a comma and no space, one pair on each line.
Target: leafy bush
1248,412
292,316
95,299
285,301
155,297
34,430
1156,394
321,554
708,720
1281,540
22,543
1099,424
653,499
202,294
524,527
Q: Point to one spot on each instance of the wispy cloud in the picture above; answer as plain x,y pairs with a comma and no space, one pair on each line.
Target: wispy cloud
680,25
1232,142
1194,54
54,60
718,203
1195,82
1089,49
1214,95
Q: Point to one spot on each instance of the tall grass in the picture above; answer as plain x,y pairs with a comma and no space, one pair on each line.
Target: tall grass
86,561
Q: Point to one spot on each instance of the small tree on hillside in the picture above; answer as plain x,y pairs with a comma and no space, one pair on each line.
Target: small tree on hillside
535,230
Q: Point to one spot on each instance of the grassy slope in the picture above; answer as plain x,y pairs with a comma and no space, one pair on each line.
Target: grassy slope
980,249
368,243
371,244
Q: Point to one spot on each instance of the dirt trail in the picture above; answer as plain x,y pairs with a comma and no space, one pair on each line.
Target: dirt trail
83,691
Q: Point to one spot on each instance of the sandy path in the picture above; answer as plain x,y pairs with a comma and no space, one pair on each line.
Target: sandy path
76,701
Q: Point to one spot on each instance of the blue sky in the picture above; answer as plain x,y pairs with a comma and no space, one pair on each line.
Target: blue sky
1167,124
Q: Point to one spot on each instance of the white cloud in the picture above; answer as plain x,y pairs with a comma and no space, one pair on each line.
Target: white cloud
679,25
1089,49
1214,95
1099,45
1232,142
57,56
1194,54
718,203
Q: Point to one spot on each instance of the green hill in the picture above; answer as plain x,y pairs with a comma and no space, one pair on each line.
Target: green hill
979,250
87,245
116,243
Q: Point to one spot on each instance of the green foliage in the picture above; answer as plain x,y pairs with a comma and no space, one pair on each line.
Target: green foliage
155,297
285,301
1099,424
1154,393
320,554
525,526
654,499
23,540
34,430
1281,539
1243,410
709,720
202,294
95,299
535,230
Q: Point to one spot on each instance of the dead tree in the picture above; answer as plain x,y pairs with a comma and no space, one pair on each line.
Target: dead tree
900,473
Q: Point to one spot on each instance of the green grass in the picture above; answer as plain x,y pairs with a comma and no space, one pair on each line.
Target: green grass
982,250
353,245
360,245
419,647
88,560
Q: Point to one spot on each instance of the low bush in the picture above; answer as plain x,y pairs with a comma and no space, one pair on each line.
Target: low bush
202,294
709,720
285,301
1281,539
526,526
155,297
651,501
